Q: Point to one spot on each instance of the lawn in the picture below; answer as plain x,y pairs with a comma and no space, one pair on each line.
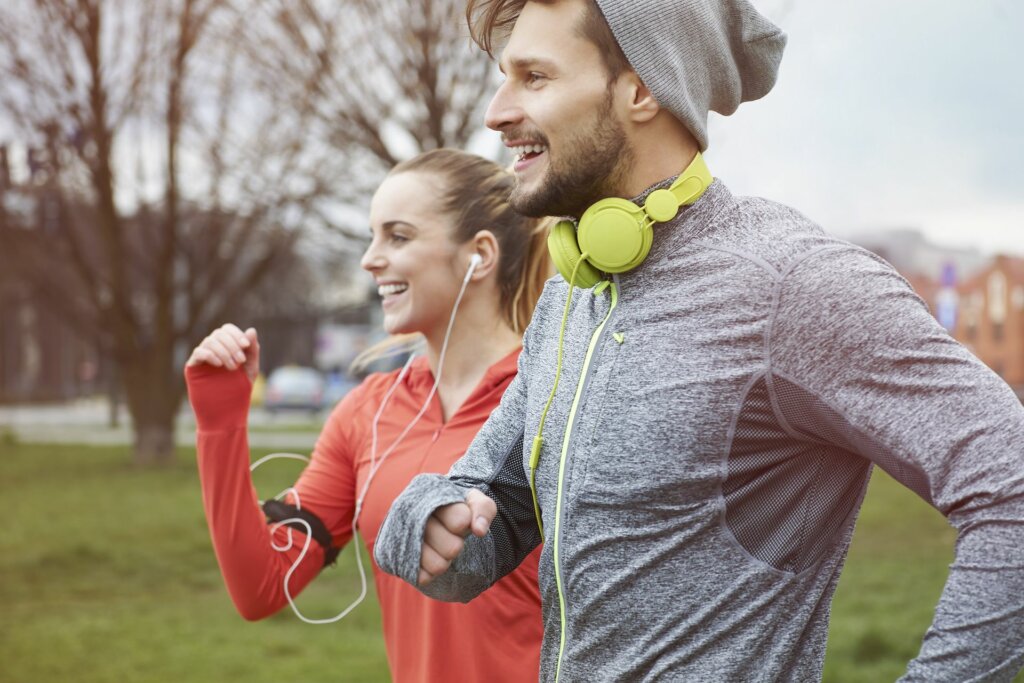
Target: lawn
106,574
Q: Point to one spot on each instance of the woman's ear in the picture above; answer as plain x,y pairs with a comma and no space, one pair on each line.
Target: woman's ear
484,246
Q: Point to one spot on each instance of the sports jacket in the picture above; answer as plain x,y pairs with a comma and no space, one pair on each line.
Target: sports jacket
708,449
496,638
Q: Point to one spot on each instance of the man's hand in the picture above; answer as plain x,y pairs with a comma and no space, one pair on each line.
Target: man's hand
446,529
229,347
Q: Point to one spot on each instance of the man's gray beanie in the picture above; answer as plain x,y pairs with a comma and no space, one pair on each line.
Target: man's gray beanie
698,56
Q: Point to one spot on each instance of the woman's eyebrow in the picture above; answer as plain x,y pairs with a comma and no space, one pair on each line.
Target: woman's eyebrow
387,226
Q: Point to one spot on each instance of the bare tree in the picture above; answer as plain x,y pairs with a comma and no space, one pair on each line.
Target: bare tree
393,77
179,148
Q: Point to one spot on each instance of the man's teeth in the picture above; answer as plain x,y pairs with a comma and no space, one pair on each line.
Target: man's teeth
522,150
385,290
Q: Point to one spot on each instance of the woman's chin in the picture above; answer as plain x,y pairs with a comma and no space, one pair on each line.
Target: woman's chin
395,326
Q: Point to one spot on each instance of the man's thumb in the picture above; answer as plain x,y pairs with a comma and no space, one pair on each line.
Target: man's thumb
482,511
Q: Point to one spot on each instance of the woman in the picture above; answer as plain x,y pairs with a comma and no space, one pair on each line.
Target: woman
454,264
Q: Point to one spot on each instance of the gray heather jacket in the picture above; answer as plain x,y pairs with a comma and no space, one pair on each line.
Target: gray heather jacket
701,474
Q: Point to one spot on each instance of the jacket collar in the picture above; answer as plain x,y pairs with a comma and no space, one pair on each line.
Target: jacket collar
691,223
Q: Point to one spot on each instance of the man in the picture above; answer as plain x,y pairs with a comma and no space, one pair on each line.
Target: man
719,405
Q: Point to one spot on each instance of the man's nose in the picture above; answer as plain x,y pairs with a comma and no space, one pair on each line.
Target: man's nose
503,111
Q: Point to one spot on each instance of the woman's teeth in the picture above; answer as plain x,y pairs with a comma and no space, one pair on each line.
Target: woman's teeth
386,290
523,150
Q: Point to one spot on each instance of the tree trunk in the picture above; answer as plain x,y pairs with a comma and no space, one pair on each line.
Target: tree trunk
153,397
154,444
114,397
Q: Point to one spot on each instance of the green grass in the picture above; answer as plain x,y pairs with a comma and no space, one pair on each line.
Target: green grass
107,574
894,574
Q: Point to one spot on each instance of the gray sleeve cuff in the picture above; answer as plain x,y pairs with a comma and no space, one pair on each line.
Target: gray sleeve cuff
399,543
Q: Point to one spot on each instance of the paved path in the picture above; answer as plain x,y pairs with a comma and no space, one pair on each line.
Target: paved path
87,422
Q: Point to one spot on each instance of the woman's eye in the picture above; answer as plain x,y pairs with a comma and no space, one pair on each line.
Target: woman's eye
533,78
395,237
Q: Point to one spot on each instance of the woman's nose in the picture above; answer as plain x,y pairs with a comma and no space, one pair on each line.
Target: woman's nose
372,259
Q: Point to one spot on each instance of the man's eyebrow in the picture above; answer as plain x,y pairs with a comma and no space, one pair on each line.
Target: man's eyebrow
528,63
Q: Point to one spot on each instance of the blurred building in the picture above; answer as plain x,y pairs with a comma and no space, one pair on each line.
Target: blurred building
979,299
984,312
910,252
990,317
42,357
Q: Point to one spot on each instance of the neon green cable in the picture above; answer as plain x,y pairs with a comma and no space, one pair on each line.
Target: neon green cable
538,439
561,473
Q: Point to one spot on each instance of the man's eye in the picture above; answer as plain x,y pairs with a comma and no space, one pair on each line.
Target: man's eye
533,77
395,237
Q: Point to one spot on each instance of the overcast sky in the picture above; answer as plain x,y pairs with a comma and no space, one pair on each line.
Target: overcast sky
905,113
890,114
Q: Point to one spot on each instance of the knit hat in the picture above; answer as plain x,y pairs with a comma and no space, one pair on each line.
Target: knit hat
698,56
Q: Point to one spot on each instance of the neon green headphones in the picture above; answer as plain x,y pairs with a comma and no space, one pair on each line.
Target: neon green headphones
615,234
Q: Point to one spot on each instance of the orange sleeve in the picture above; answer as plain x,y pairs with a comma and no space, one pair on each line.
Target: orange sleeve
253,571
327,486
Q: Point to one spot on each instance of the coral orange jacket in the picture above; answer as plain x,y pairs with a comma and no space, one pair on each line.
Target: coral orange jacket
494,638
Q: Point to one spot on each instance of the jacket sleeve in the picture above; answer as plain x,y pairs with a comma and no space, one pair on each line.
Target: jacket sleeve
253,571
857,360
494,465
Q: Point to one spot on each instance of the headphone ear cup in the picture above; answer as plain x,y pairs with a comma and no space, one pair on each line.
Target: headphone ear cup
616,234
565,253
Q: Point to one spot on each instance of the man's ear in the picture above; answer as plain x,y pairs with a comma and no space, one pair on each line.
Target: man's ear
640,103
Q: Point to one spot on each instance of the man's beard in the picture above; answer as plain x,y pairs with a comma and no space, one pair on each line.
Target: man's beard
592,167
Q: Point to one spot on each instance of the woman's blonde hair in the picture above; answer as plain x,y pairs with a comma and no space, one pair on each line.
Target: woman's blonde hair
476,193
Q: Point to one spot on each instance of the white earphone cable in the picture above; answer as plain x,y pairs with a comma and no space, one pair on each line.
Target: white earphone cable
375,466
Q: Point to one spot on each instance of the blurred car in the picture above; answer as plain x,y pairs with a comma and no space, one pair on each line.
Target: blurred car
337,385
259,389
294,388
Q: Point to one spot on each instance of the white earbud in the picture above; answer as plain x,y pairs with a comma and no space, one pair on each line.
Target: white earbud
474,261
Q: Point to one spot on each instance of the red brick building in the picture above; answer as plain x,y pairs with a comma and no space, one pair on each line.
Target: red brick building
990,318
985,313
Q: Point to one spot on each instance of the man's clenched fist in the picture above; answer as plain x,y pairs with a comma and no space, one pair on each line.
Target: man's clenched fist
446,529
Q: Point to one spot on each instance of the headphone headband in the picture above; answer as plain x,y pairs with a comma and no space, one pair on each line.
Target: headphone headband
616,234
692,182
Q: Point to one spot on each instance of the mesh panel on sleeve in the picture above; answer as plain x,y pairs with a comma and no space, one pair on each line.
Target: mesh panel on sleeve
810,415
517,535
787,500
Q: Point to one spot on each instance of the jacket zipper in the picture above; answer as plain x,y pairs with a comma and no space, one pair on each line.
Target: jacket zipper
566,441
